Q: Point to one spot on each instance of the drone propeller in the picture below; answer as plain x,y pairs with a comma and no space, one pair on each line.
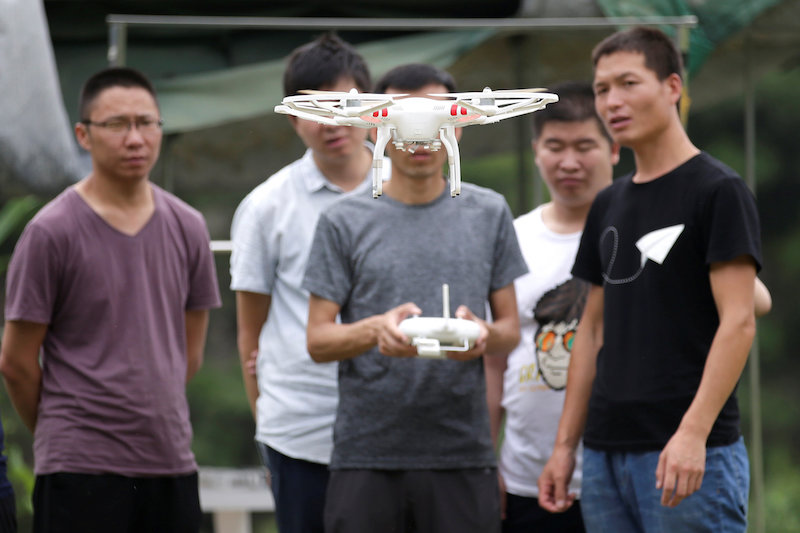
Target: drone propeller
355,95
491,93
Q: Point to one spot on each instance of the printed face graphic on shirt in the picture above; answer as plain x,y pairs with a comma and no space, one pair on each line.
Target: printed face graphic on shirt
557,314
553,348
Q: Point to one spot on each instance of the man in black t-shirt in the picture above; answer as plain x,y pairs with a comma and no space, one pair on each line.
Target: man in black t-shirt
671,252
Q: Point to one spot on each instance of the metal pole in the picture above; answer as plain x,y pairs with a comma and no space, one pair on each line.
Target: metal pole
372,24
117,43
683,45
523,181
758,516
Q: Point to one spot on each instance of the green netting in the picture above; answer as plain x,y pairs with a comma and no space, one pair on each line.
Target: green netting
717,20
201,101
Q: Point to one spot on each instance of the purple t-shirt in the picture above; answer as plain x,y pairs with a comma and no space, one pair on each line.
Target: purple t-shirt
114,357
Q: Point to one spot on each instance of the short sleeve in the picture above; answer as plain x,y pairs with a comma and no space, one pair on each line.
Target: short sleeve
587,264
32,279
731,227
203,284
254,259
328,273
509,264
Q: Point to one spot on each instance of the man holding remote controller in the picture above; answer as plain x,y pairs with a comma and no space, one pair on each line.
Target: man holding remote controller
412,448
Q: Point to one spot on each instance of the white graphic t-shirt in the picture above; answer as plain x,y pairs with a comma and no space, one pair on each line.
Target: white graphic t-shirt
550,302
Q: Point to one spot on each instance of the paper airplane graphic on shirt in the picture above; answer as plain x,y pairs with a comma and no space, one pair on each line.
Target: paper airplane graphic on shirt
657,244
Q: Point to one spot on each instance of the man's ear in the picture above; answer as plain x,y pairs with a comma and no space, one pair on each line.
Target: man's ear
459,132
373,134
82,135
675,84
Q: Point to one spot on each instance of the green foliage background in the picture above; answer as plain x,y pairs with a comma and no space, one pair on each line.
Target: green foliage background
224,426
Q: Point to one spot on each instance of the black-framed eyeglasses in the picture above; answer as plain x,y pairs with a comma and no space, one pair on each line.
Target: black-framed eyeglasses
121,125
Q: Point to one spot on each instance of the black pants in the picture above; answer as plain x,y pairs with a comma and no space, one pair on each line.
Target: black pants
413,501
86,503
8,514
523,515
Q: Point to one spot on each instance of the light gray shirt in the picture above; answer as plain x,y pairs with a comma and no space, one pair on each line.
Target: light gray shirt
272,232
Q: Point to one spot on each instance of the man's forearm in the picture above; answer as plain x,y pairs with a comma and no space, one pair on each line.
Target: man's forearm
581,372
252,311
196,330
336,342
580,376
494,368
724,365
731,285
503,335
19,363
246,350
24,394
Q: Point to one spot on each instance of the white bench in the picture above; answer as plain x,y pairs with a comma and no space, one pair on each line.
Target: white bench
232,494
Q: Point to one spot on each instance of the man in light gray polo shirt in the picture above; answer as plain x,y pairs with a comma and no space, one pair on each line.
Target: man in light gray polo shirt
294,400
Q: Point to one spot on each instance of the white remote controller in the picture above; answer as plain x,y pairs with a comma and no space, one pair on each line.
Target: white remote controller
435,335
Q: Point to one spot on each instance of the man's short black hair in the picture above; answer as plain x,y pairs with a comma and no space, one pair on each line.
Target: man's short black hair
660,53
323,62
414,76
107,78
575,104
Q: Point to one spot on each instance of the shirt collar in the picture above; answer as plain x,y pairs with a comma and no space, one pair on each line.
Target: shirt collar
315,180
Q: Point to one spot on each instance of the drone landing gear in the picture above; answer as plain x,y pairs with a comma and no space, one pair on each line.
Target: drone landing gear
453,158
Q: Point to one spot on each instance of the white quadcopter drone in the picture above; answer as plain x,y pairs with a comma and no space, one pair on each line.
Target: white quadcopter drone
435,335
415,122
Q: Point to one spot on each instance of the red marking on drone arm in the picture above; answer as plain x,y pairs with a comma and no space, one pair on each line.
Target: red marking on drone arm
453,110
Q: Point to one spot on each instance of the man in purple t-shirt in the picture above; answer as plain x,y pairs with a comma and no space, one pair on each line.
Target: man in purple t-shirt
106,314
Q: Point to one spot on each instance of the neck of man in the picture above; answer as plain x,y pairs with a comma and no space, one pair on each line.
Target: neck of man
121,193
663,153
126,206
564,219
346,173
414,190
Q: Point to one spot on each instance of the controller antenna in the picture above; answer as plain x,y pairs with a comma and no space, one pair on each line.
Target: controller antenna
445,300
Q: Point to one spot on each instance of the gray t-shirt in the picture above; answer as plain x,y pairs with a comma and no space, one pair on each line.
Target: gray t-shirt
371,255
114,357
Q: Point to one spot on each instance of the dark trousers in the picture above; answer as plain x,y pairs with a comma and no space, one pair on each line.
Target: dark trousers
88,503
299,490
8,514
523,515
413,501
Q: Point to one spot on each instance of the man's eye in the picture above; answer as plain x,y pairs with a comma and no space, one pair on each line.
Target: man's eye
116,125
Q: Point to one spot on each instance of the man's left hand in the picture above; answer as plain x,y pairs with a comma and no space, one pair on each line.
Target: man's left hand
681,466
479,347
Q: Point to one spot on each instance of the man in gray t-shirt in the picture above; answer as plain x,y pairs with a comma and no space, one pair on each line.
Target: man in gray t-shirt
411,438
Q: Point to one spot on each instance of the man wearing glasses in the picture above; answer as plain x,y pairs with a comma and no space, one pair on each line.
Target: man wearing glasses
106,312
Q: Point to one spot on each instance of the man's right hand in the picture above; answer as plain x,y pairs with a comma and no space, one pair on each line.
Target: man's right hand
392,341
555,478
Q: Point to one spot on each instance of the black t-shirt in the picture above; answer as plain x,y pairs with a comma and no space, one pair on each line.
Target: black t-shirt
650,246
